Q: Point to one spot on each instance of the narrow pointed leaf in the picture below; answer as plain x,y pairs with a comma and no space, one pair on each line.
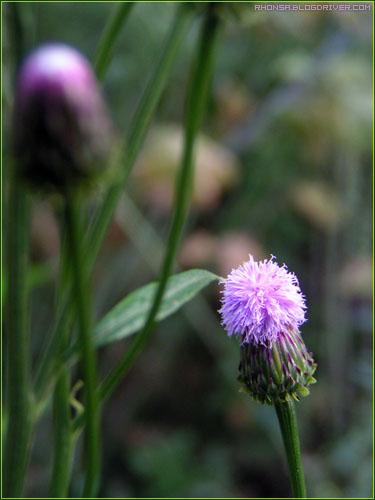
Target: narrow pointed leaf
129,315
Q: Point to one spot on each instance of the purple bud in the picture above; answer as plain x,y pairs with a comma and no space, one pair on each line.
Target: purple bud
62,130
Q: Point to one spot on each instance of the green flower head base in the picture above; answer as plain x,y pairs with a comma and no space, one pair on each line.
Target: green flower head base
263,305
279,373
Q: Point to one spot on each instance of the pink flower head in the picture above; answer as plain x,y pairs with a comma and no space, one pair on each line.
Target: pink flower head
62,130
55,69
260,301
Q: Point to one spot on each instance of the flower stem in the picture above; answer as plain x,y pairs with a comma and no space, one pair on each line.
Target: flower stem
138,129
18,392
63,446
195,108
289,429
19,403
109,36
81,298
63,437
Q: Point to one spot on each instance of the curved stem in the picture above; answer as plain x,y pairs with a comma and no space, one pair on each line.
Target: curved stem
96,234
138,129
81,299
289,429
195,108
111,31
18,393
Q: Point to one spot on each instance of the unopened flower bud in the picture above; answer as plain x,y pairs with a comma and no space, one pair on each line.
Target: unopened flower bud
263,305
62,130
279,373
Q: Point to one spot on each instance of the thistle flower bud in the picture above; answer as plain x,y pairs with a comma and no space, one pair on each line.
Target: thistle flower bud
279,373
62,130
263,305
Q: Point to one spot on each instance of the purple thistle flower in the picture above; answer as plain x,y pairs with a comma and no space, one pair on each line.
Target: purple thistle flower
260,301
263,305
62,130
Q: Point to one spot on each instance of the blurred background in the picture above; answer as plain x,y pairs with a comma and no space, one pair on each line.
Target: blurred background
283,168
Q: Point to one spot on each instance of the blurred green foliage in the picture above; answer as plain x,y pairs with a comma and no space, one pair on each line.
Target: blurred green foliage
291,99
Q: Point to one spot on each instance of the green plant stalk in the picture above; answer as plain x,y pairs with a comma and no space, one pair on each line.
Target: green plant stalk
19,403
81,298
18,395
287,417
109,36
195,108
95,236
63,441
138,129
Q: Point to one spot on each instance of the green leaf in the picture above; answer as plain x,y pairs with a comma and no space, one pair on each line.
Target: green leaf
129,315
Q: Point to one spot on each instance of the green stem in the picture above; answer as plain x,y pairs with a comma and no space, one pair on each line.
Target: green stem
138,129
109,36
195,108
18,376
289,429
63,446
19,407
81,299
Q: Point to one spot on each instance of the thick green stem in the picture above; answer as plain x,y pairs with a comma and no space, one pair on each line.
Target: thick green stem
18,395
81,299
95,236
63,445
289,429
110,34
195,108
19,409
